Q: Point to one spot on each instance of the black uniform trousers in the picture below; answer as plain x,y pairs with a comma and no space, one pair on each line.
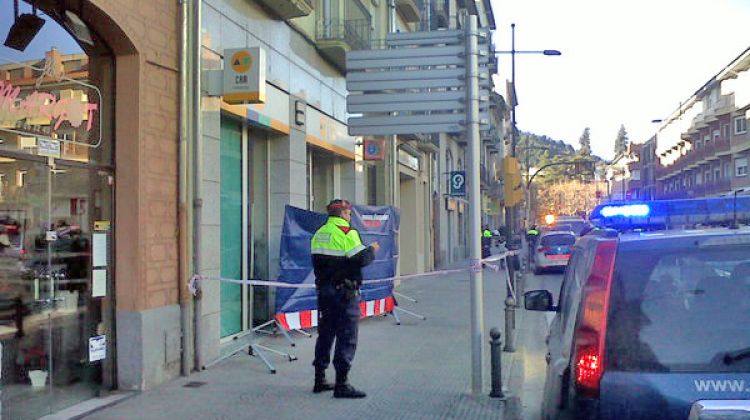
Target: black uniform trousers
338,319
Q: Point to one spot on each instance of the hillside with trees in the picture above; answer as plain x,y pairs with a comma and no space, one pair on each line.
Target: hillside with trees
543,150
563,188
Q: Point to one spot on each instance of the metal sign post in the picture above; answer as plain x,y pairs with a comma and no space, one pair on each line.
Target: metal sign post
475,215
429,82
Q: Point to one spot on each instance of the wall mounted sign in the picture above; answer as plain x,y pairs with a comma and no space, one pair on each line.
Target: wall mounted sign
457,181
407,159
48,147
374,149
244,76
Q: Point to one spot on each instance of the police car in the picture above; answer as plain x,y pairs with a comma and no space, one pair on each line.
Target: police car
653,320
553,250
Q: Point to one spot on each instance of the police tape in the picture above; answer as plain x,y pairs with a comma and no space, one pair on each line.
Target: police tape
195,281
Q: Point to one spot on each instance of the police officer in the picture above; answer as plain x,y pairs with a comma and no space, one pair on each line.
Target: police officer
531,237
338,257
486,241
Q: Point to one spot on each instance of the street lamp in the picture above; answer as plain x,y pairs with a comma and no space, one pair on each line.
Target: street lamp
514,102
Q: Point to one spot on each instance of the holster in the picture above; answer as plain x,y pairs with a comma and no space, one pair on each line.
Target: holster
351,287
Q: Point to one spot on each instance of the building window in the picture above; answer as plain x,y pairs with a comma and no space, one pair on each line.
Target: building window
740,167
698,145
725,130
727,170
698,179
717,134
740,125
21,178
707,177
706,139
717,174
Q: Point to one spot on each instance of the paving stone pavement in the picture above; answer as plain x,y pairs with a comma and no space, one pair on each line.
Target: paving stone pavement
416,370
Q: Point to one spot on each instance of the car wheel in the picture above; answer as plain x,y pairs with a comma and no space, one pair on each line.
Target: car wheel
537,271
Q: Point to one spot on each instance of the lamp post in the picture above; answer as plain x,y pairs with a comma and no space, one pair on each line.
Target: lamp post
513,139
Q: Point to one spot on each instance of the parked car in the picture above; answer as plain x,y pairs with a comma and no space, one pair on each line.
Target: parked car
650,325
573,223
553,250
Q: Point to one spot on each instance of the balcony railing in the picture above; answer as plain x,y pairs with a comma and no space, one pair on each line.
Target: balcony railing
355,33
336,37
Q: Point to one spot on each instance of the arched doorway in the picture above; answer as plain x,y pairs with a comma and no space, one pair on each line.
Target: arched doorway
56,209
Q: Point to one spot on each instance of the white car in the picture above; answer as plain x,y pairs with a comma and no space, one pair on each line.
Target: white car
553,250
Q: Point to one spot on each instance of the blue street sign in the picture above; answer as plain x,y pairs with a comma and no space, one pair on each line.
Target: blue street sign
457,183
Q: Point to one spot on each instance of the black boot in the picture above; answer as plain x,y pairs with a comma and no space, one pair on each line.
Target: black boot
321,384
344,390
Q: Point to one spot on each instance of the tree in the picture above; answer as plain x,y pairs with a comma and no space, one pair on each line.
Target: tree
621,142
585,142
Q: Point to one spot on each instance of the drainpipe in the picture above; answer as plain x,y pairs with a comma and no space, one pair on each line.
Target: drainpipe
393,140
184,234
197,161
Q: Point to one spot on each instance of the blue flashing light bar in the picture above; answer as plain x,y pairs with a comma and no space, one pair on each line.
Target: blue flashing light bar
671,213
628,210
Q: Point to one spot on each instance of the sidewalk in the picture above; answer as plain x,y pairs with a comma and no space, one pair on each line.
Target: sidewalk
418,370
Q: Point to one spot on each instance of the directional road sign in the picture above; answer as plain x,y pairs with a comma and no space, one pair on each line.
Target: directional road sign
416,85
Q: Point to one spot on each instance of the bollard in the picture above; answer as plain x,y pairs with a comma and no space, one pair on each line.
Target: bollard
496,365
510,324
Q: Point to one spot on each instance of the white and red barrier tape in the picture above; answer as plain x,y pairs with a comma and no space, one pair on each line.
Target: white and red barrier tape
194,283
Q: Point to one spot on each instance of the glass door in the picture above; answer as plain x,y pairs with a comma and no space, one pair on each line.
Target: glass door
48,313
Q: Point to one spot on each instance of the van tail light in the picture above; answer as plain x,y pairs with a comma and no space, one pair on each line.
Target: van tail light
592,325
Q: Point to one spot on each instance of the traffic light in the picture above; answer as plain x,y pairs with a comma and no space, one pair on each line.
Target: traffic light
513,187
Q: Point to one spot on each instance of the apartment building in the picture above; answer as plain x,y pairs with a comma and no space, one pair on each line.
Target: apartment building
702,149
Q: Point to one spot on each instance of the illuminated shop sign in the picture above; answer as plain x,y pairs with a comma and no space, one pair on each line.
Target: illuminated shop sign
45,109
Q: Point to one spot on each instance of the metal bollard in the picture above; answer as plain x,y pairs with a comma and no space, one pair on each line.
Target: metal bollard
510,324
496,365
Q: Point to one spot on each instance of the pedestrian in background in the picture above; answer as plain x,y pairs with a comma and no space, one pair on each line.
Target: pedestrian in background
338,257
486,241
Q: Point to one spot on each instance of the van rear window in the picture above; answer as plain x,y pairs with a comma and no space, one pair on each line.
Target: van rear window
679,310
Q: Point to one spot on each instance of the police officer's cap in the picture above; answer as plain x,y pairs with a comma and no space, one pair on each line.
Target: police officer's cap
335,207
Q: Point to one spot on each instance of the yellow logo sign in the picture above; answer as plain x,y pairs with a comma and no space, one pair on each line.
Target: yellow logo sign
242,61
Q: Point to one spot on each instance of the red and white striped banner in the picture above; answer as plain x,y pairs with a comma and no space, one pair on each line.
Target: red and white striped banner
309,319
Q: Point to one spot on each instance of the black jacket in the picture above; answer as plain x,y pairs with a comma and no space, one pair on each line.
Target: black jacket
337,270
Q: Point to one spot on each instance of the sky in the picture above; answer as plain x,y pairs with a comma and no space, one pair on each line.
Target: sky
50,34
623,62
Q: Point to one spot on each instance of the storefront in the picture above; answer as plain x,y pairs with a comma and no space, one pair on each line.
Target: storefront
56,221
80,97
